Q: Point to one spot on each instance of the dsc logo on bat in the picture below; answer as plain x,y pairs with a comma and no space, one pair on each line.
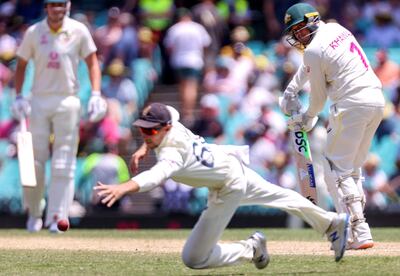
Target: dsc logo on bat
300,142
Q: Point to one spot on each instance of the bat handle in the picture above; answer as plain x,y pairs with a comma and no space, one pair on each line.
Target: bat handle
22,123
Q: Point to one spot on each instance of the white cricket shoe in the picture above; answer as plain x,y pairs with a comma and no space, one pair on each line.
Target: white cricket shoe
260,255
337,234
53,228
34,224
358,245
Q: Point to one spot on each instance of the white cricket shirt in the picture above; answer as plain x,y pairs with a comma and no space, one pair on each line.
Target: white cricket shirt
338,69
56,55
186,158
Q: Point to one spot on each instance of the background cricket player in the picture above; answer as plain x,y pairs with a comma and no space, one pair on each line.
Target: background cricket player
338,69
55,45
186,158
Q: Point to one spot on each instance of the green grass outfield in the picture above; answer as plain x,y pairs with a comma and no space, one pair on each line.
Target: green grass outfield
145,252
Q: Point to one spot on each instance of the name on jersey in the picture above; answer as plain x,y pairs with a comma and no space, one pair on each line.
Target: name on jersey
339,39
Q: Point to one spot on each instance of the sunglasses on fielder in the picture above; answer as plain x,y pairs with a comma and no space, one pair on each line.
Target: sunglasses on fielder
150,131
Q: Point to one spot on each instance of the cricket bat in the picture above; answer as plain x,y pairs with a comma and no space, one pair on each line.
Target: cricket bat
26,161
304,165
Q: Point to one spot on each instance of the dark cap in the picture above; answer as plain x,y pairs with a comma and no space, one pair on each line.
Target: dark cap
155,114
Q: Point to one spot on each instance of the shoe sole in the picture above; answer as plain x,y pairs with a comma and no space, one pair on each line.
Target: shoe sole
343,245
365,246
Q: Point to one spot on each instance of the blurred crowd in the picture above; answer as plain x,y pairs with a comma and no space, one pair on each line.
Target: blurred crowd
229,64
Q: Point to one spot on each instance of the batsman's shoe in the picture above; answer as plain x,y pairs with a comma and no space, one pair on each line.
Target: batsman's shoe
260,255
337,234
358,245
34,224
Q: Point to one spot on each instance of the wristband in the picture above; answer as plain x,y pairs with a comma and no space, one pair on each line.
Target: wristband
96,93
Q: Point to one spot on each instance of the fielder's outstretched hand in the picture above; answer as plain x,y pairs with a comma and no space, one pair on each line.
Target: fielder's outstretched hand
109,194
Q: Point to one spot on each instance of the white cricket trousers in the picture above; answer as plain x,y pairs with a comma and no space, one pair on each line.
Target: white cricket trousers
58,115
350,134
202,249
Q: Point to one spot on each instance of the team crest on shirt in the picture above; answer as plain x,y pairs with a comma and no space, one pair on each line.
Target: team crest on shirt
65,36
308,69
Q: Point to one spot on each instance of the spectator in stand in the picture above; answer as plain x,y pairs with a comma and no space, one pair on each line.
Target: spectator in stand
158,16
275,122
375,185
394,181
242,68
127,47
146,43
8,44
386,70
6,76
206,14
372,7
218,80
262,149
149,50
395,10
287,61
272,26
255,97
234,12
121,88
104,165
84,19
7,8
95,136
186,41
176,197
390,125
383,33
238,34
108,35
207,124
280,171
266,74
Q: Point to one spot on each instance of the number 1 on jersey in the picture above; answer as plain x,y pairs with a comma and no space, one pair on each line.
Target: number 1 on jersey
354,47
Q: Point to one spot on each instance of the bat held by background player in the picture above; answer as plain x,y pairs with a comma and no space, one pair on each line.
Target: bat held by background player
25,156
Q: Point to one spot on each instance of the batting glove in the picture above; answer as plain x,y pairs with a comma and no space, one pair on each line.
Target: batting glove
97,107
289,103
20,108
302,121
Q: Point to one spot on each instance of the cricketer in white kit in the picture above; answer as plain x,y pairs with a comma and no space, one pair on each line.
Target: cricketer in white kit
338,69
55,45
186,158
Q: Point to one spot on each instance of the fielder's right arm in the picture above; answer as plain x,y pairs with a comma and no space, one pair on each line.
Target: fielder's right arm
137,156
